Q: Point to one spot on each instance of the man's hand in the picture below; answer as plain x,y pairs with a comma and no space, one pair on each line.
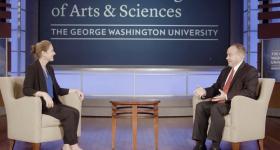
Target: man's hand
221,98
81,94
200,92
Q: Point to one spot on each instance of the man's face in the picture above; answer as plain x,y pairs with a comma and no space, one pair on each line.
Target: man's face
234,56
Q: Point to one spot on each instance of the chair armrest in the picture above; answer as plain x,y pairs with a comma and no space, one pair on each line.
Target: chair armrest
24,118
244,107
196,100
72,99
247,113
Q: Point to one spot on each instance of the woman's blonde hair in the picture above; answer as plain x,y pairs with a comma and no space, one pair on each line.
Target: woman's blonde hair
37,48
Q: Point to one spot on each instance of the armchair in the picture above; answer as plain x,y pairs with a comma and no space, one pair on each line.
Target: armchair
246,119
25,121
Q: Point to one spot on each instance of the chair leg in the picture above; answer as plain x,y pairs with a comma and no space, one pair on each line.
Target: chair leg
11,144
260,143
235,146
36,146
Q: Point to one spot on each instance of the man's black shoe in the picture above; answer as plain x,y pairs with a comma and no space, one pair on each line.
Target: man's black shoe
215,148
215,145
199,146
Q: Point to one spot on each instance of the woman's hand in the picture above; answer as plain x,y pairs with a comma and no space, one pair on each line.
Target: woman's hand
46,97
81,94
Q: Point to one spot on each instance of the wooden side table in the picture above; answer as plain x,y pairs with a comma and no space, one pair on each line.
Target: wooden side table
134,108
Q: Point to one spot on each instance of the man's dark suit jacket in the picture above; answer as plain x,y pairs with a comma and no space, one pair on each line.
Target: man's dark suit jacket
35,81
244,83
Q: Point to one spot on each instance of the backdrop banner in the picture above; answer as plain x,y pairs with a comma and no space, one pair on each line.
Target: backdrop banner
137,32
271,58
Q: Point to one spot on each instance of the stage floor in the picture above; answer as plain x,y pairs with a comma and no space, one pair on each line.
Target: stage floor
174,134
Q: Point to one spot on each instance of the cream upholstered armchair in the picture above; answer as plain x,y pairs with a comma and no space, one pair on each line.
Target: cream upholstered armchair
25,120
246,119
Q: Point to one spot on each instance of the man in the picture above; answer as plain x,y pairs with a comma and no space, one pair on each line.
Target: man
238,78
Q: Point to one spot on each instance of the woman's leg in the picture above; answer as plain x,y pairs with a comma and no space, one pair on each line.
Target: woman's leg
66,147
75,147
69,118
76,116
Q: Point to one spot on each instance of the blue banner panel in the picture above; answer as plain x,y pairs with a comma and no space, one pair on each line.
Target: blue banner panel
136,32
271,58
3,69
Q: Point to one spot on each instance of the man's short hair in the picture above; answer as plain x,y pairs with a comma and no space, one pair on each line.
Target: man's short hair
240,48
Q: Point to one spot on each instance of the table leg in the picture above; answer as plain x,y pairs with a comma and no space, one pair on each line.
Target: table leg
134,126
156,127
114,126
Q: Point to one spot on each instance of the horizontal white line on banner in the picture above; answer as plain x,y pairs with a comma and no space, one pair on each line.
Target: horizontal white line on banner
136,25
158,39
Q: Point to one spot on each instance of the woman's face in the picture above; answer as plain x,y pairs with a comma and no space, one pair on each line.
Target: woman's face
48,55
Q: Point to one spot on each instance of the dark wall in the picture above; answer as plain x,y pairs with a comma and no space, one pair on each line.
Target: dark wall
2,9
31,27
236,21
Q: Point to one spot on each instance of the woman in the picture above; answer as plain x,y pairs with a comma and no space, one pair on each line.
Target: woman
40,81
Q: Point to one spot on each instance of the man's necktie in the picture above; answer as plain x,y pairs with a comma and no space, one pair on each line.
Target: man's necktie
228,82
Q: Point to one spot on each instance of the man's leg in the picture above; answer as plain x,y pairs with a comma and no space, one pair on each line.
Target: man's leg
218,111
200,126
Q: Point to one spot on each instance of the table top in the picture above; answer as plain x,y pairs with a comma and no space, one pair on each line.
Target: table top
136,102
